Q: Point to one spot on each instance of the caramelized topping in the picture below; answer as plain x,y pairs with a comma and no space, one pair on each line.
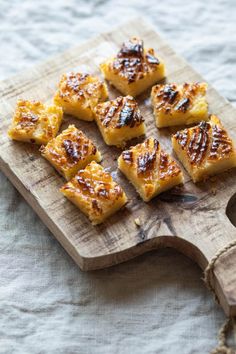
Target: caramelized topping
167,167
71,149
152,60
81,85
205,141
123,111
133,47
150,164
182,137
163,165
126,116
97,185
132,63
76,145
198,143
183,105
146,161
102,192
31,114
169,94
109,112
35,122
127,156
73,81
221,143
28,119
96,207
85,183
178,98
28,114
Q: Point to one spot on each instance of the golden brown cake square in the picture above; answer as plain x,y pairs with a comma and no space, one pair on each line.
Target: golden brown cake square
79,93
150,169
205,149
179,104
119,120
134,68
35,122
70,151
95,193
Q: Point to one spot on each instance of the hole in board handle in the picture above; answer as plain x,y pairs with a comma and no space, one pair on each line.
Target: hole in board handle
231,210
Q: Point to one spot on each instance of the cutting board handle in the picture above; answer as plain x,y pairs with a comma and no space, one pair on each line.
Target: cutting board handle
222,278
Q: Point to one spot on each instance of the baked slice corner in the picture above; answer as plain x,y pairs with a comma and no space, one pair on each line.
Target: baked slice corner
150,169
205,149
179,104
134,68
95,193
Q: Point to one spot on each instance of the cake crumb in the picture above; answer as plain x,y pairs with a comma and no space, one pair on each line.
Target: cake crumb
137,222
213,191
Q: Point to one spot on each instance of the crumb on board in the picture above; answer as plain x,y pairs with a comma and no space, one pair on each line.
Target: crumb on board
213,191
137,222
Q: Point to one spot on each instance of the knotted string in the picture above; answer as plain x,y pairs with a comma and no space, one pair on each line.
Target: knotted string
222,347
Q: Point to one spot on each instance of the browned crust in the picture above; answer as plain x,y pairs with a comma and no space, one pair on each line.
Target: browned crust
148,157
79,84
183,104
221,145
69,147
146,161
127,156
75,150
132,63
172,97
167,167
97,185
195,141
30,115
121,112
205,141
27,114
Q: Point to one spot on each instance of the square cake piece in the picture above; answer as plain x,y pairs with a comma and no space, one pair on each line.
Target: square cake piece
205,149
79,93
134,68
179,104
150,169
119,120
70,151
95,193
35,122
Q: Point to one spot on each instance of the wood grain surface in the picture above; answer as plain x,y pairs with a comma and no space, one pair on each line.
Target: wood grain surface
191,218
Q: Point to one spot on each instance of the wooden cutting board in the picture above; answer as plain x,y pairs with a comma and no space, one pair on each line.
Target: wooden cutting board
191,218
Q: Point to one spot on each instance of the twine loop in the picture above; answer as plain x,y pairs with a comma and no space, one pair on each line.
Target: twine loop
222,347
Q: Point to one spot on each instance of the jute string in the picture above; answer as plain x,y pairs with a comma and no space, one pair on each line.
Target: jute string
222,347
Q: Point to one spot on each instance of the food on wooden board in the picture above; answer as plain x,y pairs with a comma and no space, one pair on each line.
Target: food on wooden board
205,149
134,68
95,193
35,122
119,120
150,169
179,104
70,151
79,93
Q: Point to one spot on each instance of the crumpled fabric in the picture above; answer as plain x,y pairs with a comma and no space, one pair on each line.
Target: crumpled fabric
156,303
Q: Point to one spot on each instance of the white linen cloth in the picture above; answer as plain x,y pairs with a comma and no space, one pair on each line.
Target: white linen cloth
156,303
